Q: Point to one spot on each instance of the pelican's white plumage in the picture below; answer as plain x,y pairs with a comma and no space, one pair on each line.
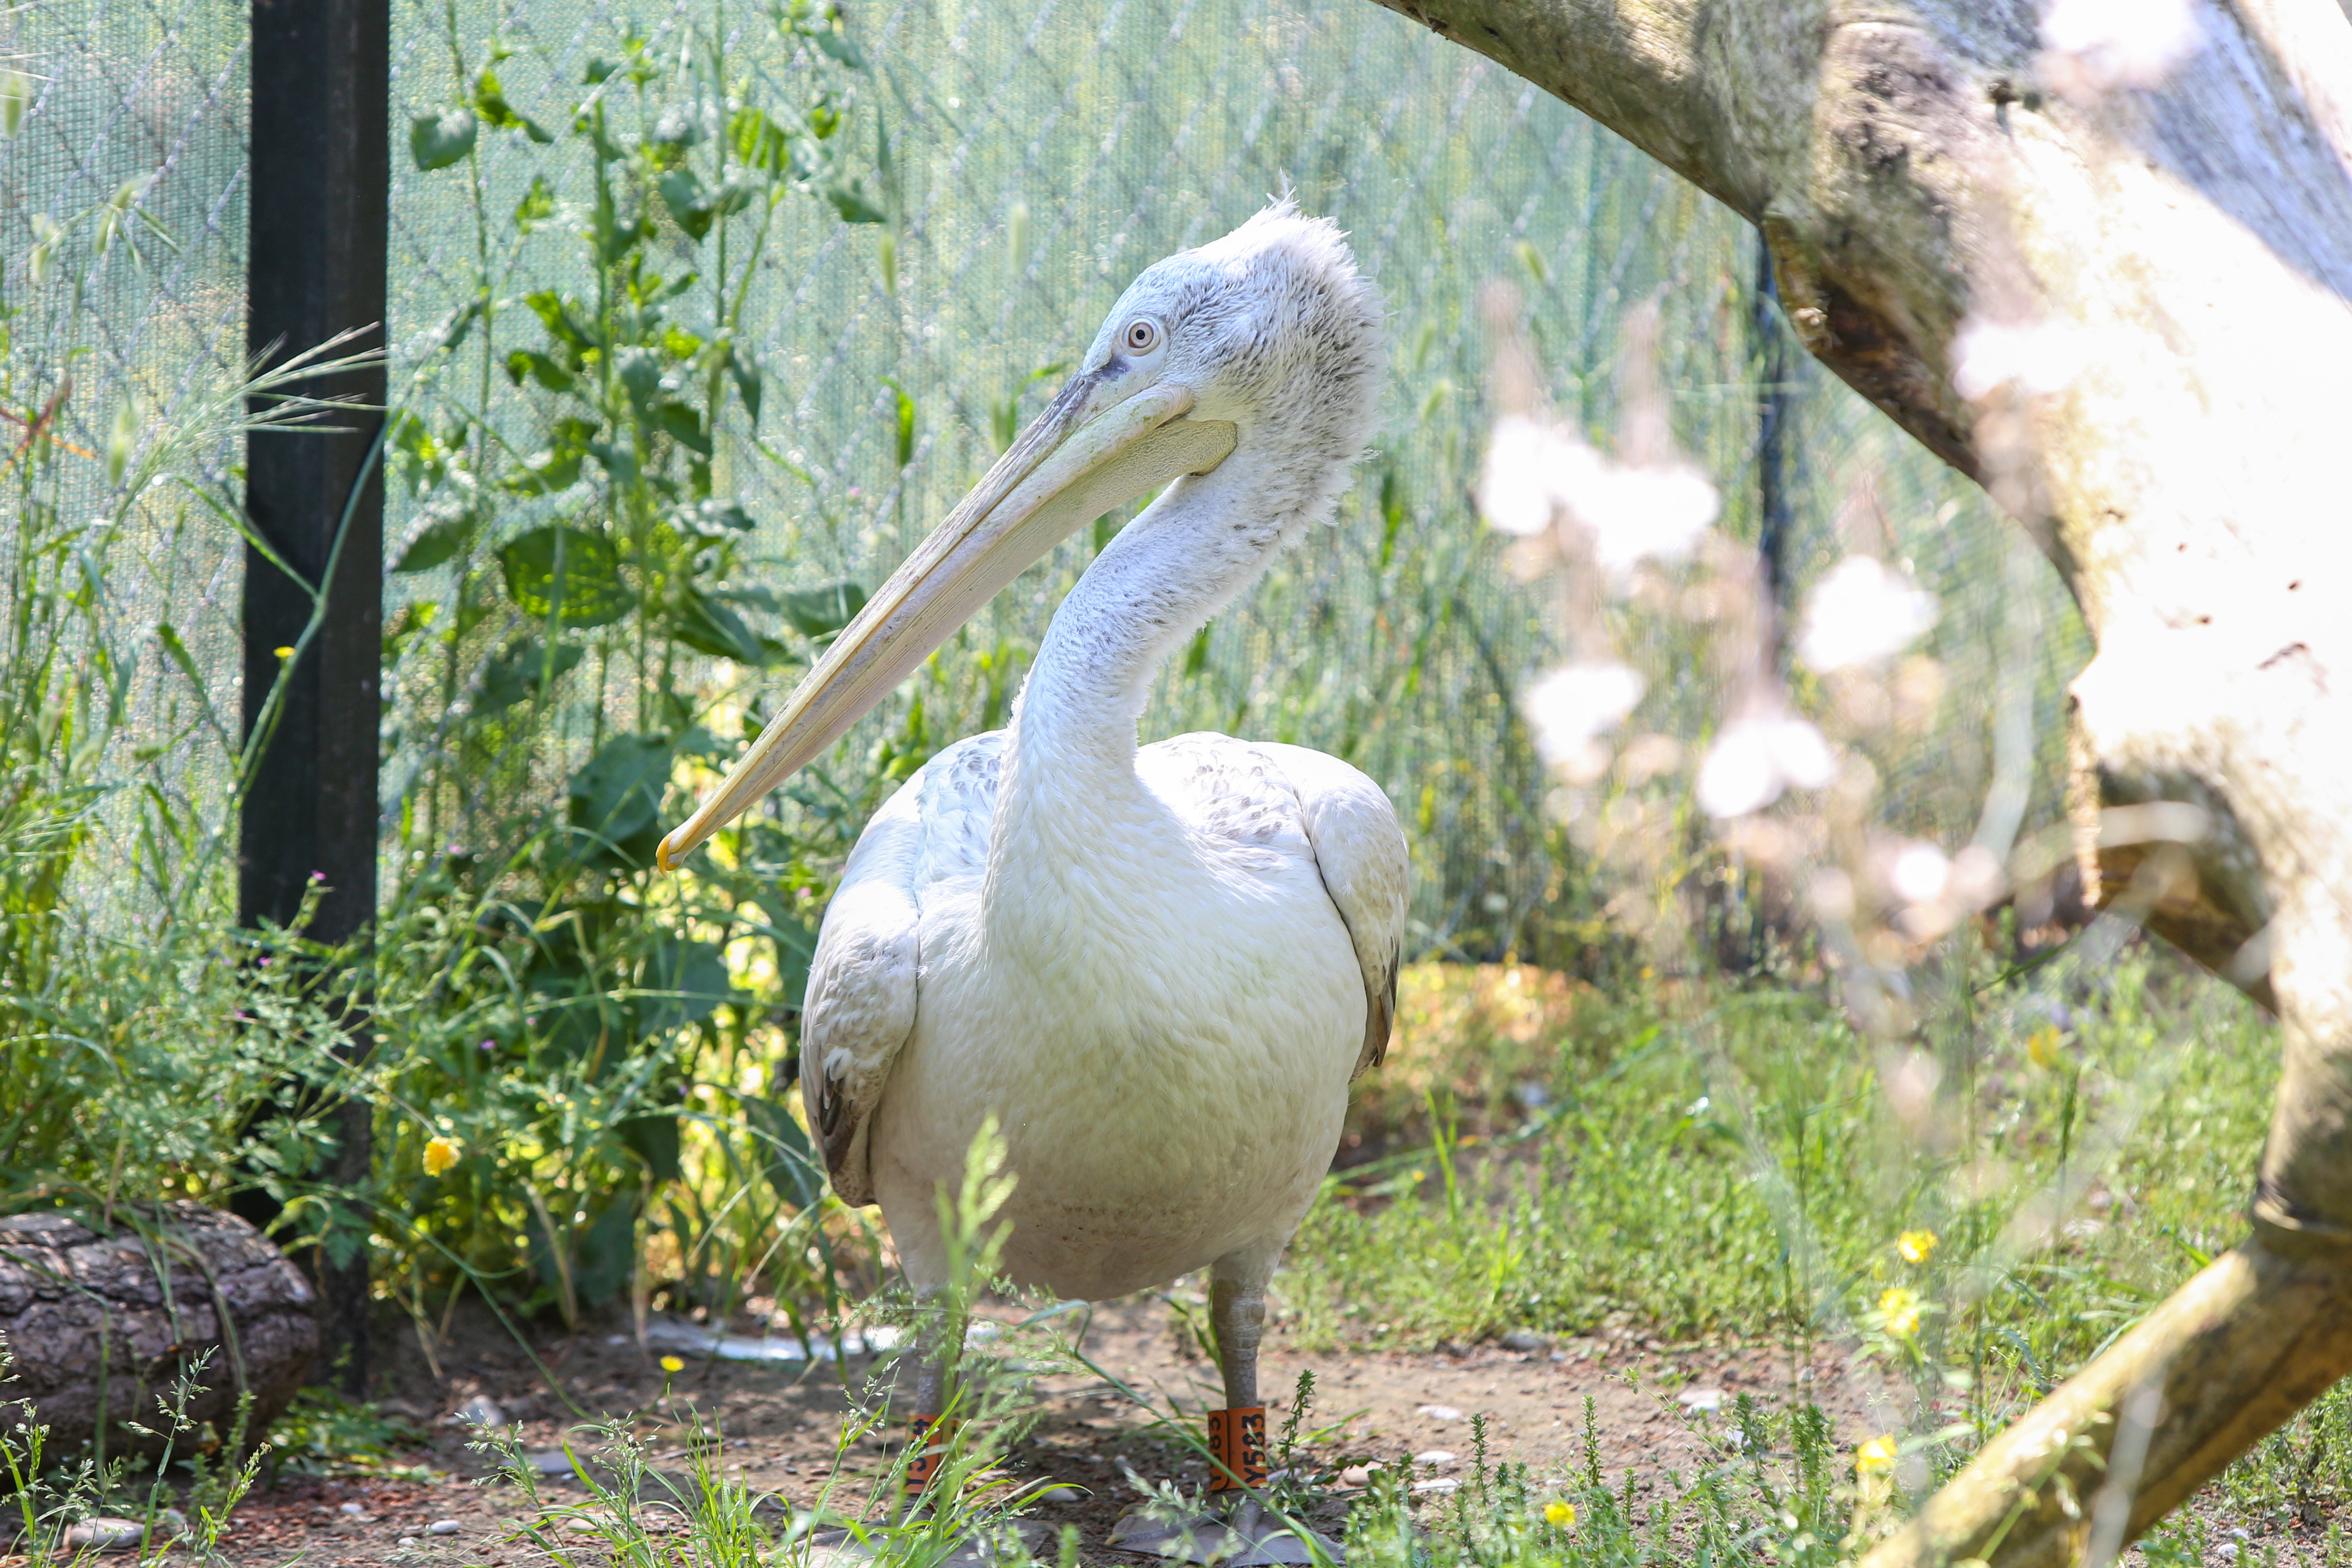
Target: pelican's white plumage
1156,967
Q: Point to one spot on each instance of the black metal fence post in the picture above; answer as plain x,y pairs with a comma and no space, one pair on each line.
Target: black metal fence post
320,177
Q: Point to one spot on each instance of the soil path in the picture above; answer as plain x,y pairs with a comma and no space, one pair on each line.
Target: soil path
1655,1410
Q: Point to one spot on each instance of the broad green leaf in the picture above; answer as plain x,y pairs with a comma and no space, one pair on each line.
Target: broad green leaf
682,192
640,370
438,140
554,312
835,41
819,612
709,627
567,573
740,366
608,1251
713,519
537,367
521,670
790,1162
558,467
491,99
683,425
849,199
440,540
619,466
655,1140
616,798
690,979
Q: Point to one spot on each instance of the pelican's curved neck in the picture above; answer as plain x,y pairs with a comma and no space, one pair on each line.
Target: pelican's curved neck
1156,584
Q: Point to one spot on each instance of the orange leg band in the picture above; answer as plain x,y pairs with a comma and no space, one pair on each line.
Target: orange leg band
927,1443
1237,1448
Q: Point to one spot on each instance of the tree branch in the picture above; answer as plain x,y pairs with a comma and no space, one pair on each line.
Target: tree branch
2161,252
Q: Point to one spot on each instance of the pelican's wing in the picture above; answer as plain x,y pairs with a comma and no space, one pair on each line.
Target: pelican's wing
1359,849
860,1004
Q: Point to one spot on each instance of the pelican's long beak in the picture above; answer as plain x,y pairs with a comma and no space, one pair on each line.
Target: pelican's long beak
1067,469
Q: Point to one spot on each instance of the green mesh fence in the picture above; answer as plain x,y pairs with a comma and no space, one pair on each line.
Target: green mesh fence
1027,159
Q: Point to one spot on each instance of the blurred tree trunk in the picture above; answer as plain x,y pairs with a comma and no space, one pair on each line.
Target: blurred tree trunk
101,1327
2114,287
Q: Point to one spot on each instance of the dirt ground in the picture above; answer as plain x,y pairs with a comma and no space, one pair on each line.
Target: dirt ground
1652,1406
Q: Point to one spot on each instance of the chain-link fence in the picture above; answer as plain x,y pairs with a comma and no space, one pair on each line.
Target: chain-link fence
1011,166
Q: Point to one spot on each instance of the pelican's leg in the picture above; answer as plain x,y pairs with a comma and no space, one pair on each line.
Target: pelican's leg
1237,1432
1233,1530
939,1334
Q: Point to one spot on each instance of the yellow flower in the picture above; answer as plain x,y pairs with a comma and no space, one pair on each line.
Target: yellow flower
286,652
1916,1246
1878,1454
1902,1309
440,1153
672,1365
1560,1515
2041,1046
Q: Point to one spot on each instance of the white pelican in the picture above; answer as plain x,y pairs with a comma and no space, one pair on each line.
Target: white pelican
1159,967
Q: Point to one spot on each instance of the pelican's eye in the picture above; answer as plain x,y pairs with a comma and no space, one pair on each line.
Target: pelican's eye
1142,335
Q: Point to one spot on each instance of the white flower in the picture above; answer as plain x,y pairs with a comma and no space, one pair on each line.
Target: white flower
1573,706
2124,42
1861,613
1754,759
1535,471
2038,357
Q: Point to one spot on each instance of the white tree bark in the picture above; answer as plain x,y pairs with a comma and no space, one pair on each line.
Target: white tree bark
2185,240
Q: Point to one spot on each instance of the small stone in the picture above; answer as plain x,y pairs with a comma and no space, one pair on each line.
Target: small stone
106,1534
442,1527
582,1526
1525,1340
1435,1458
1355,1476
353,1509
1440,1486
1440,1412
407,1541
1704,1400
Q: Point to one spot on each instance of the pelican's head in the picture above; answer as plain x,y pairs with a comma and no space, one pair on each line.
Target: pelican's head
1267,340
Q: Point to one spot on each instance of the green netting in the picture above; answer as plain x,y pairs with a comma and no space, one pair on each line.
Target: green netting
1033,156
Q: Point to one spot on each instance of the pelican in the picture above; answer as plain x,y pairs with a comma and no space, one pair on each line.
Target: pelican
1159,967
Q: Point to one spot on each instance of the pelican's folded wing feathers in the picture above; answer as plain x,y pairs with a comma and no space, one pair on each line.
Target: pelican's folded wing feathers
862,986
1359,849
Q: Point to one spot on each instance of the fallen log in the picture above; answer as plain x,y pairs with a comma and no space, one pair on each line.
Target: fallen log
103,1326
